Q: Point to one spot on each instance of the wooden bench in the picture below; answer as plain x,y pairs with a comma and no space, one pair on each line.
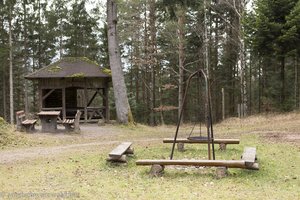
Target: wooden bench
119,153
249,156
248,161
181,141
72,124
23,123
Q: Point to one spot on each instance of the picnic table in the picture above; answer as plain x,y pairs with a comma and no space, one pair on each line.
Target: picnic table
49,120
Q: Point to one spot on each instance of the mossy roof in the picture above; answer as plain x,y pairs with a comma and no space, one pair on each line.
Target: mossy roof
71,67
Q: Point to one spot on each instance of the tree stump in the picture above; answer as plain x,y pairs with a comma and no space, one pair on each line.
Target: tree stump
221,172
222,146
180,146
156,170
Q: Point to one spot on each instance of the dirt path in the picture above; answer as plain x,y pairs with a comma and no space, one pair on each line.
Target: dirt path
10,156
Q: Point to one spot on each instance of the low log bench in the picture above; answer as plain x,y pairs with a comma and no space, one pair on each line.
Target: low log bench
72,124
249,156
23,123
247,162
181,141
119,153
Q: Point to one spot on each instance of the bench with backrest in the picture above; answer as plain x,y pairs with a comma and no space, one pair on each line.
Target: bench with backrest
72,124
119,153
182,141
23,123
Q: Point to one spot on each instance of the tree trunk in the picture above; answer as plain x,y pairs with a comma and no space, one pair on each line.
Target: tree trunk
120,94
25,58
181,57
11,93
4,70
282,77
153,63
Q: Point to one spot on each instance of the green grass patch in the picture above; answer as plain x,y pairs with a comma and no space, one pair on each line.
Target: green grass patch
85,174
89,176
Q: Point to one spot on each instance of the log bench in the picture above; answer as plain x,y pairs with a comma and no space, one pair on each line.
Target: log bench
23,123
248,161
72,124
119,153
181,141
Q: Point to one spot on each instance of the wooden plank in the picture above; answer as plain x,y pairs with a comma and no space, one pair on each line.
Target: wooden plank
29,121
49,113
210,163
21,116
119,150
249,155
21,112
216,141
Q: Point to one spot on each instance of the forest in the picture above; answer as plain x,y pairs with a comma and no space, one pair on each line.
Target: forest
249,50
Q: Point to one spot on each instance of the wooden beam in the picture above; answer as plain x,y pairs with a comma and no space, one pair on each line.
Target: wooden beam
209,163
92,99
216,141
44,97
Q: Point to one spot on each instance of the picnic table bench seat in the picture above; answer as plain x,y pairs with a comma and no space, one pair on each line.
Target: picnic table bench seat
24,124
72,124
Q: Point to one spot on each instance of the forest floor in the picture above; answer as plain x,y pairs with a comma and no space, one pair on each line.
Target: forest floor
73,166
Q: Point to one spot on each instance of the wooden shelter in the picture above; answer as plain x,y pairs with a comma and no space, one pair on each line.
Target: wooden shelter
71,84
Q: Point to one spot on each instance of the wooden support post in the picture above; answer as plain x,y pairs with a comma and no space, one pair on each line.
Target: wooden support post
157,170
180,146
26,98
221,172
41,101
129,151
117,159
85,104
222,146
64,102
106,103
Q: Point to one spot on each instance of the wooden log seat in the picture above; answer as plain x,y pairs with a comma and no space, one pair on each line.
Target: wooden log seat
72,124
221,142
249,156
119,153
24,124
248,161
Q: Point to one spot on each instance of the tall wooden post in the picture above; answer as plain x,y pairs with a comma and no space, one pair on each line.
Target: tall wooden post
106,103
41,104
64,102
85,104
26,98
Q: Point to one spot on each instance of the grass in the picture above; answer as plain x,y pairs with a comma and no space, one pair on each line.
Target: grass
84,173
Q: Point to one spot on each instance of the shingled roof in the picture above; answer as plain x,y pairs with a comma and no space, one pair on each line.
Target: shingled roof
71,67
